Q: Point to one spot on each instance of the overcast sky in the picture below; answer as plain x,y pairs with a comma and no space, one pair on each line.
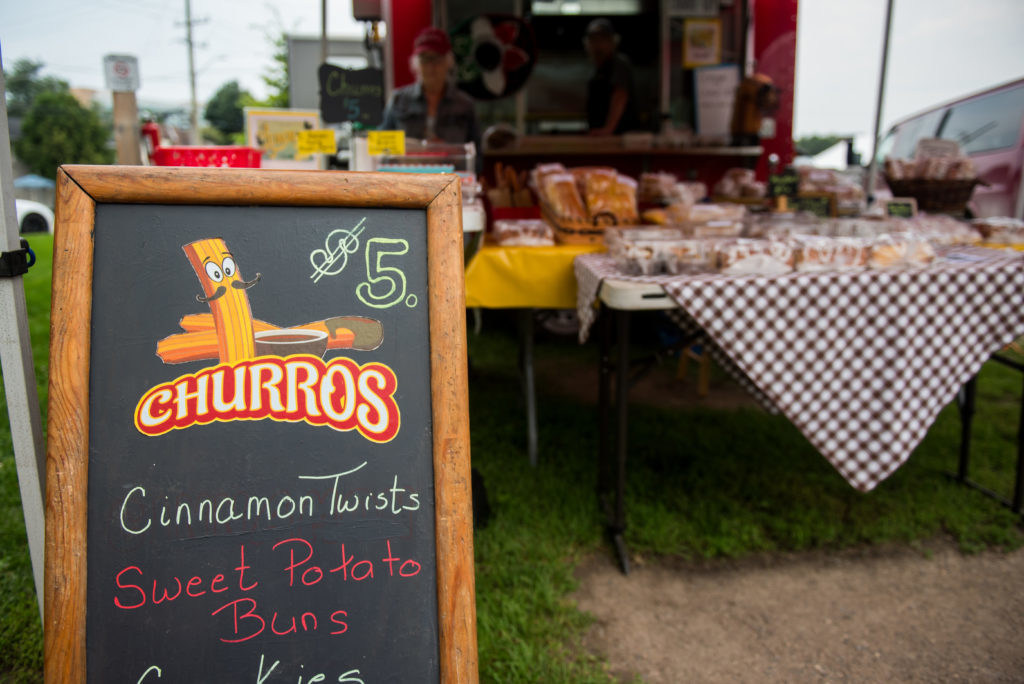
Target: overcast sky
941,48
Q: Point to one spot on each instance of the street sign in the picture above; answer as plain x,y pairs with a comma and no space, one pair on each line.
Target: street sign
121,72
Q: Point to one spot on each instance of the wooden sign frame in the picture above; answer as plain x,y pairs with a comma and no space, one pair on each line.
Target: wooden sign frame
79,190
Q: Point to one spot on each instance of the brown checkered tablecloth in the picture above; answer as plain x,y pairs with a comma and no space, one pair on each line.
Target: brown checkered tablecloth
861,362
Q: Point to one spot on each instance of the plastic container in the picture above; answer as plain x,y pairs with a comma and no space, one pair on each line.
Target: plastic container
231,156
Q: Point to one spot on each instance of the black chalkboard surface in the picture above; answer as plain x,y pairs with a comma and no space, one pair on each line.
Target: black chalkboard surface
355,95
901,207
820,204
785,184
266,470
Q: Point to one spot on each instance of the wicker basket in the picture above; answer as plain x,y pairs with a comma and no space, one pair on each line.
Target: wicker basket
935,196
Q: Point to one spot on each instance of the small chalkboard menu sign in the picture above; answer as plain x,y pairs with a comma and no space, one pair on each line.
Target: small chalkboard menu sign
785,184
355,95
901,207
820,204
258,465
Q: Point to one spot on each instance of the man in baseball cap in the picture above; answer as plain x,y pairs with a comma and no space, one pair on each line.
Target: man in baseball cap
432,108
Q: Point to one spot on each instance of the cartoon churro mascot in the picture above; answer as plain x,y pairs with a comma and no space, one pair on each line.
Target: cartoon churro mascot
224,290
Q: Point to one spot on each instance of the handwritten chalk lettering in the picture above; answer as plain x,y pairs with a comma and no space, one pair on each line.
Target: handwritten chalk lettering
152,668
139,510
337,84
384,286
340,394
246,622
332,259
302,571
130,596
399,501
349,677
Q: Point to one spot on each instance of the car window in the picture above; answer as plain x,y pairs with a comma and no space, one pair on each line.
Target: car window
909,132
987,123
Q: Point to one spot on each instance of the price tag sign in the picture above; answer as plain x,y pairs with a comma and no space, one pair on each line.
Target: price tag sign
386,142
901,207
820,204
317,142
785,184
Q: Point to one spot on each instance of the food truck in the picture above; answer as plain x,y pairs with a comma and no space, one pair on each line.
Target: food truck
689,59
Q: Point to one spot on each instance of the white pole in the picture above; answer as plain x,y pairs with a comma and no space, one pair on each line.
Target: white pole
194,115
873,167
323,31
18,371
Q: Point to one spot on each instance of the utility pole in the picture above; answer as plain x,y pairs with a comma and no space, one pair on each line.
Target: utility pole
192,72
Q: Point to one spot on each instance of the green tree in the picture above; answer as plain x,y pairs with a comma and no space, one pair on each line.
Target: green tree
58,130
813,144
224,109
24,84
276,77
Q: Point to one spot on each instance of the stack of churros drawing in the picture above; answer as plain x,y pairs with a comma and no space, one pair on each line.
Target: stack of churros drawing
229,333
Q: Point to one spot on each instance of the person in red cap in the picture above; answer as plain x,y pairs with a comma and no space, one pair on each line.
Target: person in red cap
432,108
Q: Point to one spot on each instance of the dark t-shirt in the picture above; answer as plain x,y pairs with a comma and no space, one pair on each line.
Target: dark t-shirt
614,73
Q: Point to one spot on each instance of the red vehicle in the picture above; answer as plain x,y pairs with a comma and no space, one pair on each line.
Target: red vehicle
990,128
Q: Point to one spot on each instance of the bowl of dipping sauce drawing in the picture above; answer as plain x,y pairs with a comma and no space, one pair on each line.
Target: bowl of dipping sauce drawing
291,341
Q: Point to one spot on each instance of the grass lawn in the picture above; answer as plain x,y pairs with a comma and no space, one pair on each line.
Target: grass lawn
703,483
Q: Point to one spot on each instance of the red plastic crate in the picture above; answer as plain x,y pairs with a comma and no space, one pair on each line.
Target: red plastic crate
233,156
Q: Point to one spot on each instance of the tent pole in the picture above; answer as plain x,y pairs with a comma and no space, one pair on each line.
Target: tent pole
873,166
323,31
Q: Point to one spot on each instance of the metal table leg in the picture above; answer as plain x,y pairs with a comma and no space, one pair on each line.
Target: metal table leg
526,317
1018,486
604,409
618,521
966,404
965,401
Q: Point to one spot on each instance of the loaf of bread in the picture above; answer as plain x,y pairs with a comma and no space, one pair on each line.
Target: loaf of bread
560,193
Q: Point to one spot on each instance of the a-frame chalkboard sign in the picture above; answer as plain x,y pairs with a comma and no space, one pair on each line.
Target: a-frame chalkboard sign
258,464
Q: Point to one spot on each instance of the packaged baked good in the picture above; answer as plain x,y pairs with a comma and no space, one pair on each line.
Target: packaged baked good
940,229
738,182
690,256
691,192
725,228
1000,230
821,253
702,213
560,193
582,173
900,251
712,220
755,257
658,188
641,251
523,233
609,194
657,217
542,171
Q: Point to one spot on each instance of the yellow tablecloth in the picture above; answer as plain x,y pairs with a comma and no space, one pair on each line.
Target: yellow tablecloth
524,277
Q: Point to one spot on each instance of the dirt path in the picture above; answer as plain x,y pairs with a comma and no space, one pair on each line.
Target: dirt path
890,615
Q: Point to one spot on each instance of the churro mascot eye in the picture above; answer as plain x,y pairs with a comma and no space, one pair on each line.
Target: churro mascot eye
224,290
